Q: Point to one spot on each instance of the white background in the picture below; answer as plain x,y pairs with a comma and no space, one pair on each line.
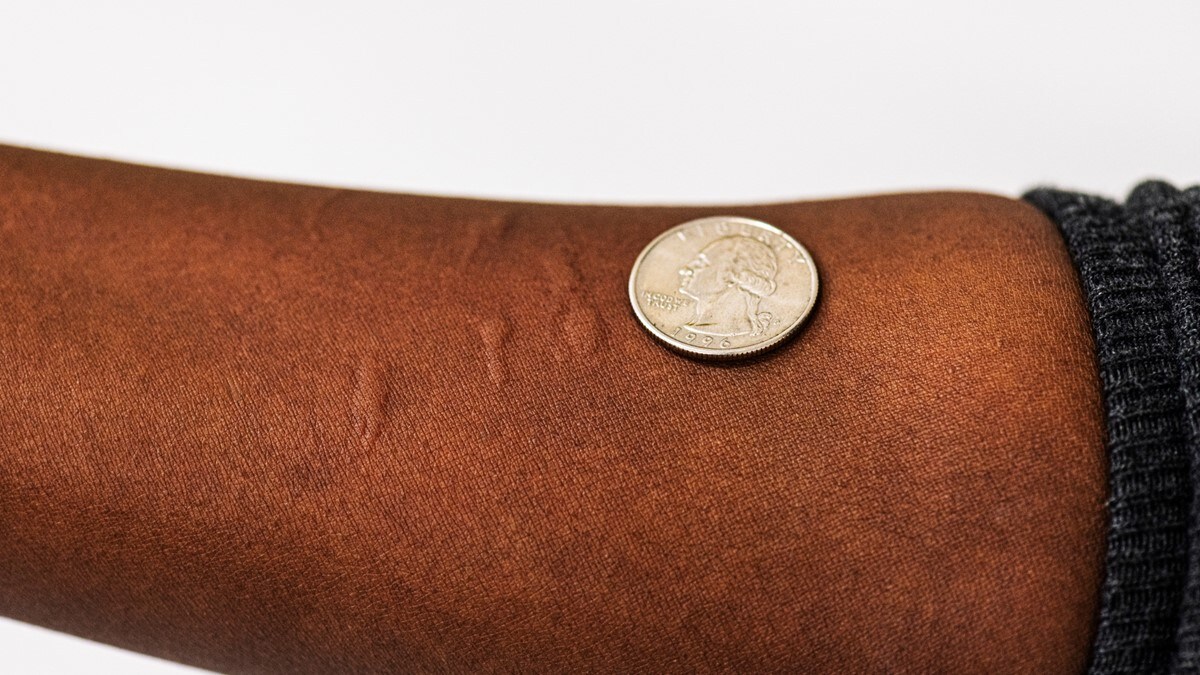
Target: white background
614,101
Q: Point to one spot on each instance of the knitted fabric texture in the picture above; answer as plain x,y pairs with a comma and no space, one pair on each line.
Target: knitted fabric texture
1139,264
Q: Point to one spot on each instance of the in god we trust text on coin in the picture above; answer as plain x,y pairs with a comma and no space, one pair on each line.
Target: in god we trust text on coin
723,287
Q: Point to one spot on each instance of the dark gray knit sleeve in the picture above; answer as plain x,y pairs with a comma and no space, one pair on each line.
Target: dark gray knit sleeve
1139,264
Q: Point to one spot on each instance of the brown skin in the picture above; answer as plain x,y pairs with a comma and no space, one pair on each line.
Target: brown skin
270,428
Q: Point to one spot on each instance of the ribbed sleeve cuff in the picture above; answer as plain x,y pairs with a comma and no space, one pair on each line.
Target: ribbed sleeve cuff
1139,264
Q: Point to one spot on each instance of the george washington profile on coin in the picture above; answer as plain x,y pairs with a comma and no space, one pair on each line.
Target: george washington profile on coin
723,287
728,280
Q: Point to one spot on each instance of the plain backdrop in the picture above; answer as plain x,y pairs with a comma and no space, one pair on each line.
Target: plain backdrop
619,101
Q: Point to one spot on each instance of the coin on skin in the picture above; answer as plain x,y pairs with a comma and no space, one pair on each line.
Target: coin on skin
723,287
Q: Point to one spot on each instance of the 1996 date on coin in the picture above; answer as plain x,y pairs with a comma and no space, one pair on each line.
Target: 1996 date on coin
723,287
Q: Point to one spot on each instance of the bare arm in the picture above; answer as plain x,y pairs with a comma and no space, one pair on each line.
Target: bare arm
260,427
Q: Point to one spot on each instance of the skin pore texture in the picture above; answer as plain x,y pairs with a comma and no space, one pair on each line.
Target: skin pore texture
271,428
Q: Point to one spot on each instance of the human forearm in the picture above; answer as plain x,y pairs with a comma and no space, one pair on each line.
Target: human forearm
262,427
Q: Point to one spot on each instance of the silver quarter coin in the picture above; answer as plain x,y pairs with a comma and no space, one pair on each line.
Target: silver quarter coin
723,287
